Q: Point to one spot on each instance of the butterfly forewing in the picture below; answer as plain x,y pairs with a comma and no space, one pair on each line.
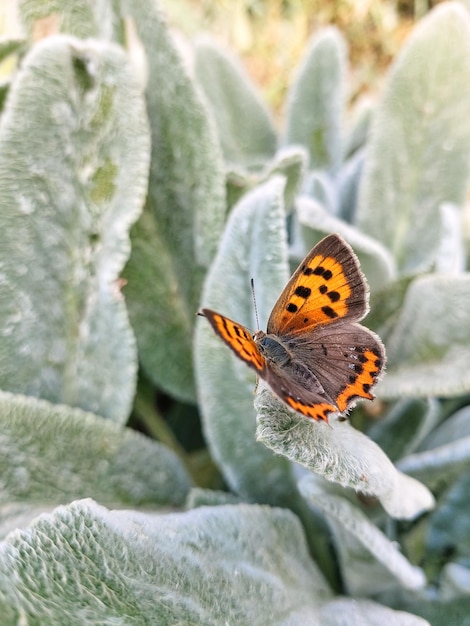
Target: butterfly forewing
328,285
238,339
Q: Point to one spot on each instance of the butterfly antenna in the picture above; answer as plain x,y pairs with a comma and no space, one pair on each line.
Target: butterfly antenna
252,282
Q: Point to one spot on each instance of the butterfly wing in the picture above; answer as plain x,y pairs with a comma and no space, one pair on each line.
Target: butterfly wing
328,285
346,358
238,339
311,402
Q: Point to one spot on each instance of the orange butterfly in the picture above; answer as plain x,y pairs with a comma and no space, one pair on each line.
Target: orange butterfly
314,356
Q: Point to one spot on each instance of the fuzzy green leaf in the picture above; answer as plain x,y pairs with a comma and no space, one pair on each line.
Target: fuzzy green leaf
254,245
429,348
74,155
74,454
340,454
357,611
85,564
405,426
184,215
316,99
246,131
370,562
417,155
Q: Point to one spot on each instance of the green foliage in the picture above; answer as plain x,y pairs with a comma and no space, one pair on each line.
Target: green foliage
116,160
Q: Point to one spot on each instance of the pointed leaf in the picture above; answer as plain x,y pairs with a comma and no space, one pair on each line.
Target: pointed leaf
254,245
89,456
370,562
418,151
355,611
340,454
403,428
74,153
85,564
246,130
316,99
429,348
186,202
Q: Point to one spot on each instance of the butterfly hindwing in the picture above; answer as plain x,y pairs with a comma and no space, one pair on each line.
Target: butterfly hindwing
328,285
346,358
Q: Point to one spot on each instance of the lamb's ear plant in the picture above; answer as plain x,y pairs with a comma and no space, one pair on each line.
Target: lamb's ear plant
136,187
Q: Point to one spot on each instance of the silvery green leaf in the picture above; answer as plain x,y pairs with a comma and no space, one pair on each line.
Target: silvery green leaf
244,564
349,177
448,530
254,245
429,348
376,262
246,130
357,611
184,215
52,453
454,581
74,154
451,254
370,562
316,99
440,466
340,454
417,156
320,186
289,162
359,128
405,426
456,427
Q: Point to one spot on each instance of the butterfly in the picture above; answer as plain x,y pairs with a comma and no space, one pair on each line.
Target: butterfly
315,356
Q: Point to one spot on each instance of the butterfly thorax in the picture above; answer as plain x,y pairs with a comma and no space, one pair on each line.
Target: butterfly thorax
272,348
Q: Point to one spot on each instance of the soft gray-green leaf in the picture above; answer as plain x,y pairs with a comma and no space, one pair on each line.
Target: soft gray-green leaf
404,427
440,466
243,565
359,128
54,454
246,131
254,245
340,454
316,99
370,562
417,155
74,154
456,427
360,612
186,200
429,348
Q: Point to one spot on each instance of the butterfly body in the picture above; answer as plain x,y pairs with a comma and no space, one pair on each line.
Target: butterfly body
315,356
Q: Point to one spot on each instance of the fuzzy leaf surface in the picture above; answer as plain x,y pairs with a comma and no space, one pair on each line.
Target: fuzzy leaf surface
371,563
246,130
316,99
184,214
74,155
86,564
74,454
429,348
418,149
341,454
